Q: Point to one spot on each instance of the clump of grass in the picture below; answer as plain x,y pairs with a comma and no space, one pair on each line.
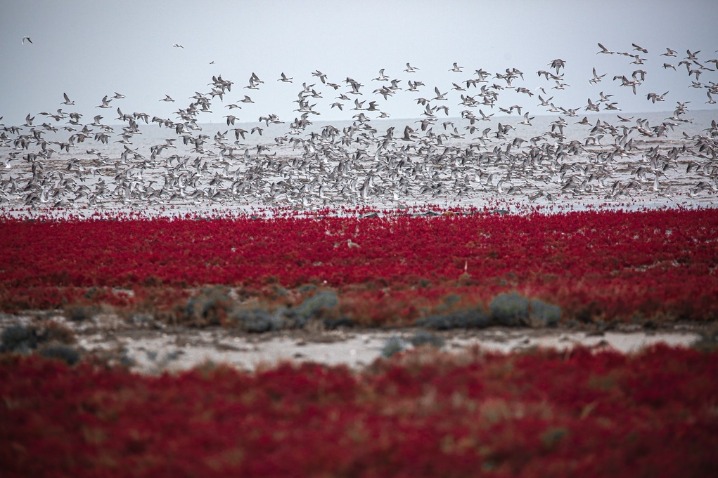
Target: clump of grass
472,318
60,352
543,314
423,338
19,339
708,341
50,341
393,345
210,307
79,313
509,309
513,309
323,304
255,320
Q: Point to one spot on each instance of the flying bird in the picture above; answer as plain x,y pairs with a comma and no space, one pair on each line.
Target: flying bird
177,45
596,77
105,102
26,39
639,48
410,69
604,50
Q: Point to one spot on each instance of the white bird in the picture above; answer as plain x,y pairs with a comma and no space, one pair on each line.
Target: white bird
604,50
639,48
67,100
167,98
26,39
105,102
596,77
656,97
381,77
177,45
320,75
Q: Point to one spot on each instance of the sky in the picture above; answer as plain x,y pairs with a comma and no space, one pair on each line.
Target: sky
89,49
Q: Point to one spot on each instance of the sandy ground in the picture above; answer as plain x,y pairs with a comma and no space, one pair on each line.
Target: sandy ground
154,348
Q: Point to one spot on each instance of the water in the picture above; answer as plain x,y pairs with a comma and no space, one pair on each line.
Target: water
348,163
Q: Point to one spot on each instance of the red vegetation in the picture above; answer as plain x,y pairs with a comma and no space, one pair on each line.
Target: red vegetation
649,264
579,413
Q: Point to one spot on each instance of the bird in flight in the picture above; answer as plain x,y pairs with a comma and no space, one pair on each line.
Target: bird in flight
604,50
177,45
596,77
105,102
26,39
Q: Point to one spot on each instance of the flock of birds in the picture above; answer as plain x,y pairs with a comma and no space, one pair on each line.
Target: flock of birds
481,153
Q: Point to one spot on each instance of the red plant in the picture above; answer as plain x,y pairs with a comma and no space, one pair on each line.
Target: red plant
594,264
423,414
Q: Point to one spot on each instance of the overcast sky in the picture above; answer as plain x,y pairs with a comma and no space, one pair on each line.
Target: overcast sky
89,48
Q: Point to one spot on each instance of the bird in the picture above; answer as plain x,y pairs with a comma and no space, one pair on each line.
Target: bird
320,75
604,50
639,48
105,102
355,162
177,45
26,39
439,95
656,97
596,77
167,98
527,119
408,134
381,77
254,82
239,132
558,63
